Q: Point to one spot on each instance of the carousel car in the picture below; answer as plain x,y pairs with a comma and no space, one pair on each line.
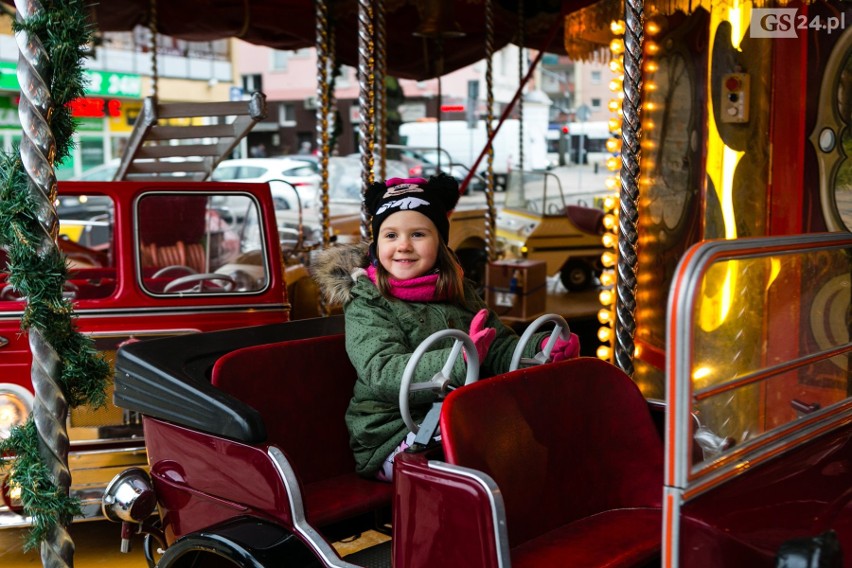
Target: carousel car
146,260
746,463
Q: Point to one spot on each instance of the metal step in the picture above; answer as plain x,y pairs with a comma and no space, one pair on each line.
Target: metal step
210,131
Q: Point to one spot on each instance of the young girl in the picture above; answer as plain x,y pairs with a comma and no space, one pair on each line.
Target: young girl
395,293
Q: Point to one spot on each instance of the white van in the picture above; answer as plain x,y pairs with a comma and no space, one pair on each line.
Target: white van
465,144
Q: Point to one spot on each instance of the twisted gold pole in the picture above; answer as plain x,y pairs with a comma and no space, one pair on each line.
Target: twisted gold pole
38,151
490,214
366,98
521,26
628,218
381,94
322,112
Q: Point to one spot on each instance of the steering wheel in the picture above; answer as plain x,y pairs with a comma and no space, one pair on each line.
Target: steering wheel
441,381
174,269
542,356
201,279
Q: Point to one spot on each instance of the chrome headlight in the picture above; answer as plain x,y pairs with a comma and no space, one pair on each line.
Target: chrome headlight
129,497
16,404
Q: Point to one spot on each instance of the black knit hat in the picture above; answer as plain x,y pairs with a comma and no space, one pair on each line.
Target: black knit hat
435,198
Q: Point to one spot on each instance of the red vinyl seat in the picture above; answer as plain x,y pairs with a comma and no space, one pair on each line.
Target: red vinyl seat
301,389
575,453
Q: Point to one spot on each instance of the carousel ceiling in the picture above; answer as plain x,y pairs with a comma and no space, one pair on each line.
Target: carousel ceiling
290,24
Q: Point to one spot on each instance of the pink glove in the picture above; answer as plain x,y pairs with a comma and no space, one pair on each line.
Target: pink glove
563,349
482,336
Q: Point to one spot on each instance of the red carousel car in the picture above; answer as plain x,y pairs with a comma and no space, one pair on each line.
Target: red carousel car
747,463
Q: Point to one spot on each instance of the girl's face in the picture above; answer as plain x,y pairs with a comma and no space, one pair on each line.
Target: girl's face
407,245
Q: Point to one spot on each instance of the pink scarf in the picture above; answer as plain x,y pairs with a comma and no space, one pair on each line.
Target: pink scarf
420,289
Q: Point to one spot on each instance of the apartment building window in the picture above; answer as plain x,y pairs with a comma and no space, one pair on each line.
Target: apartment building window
596,104
279,60
252,83
596,77
286,114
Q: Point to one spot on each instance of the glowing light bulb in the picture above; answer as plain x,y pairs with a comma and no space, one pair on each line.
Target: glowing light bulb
617,46
613,163
611,183
647,124
608,259
604,316
609,240
609,203
651,47
605,297
604,352
607,277
615,85
651,66
616,66
604,334
652,28
609,221
613,145
614,123
614,105
617,27
650,106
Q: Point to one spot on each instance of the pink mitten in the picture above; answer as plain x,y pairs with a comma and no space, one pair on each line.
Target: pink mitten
482,336
563,349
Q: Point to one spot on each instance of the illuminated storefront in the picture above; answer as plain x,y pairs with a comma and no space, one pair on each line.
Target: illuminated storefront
106,117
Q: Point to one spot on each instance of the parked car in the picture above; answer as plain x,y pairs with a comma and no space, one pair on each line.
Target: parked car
746,462
297,173
428,160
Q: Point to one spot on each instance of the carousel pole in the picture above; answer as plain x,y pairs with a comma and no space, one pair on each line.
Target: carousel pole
628,218
490,213
366,102
38,150
322,112
382,92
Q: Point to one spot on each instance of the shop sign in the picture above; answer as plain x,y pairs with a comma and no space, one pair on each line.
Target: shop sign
104,83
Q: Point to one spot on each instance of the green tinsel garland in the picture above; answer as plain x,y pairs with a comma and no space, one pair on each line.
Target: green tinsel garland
64,32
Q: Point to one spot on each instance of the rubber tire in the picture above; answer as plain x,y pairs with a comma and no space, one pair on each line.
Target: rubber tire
576,276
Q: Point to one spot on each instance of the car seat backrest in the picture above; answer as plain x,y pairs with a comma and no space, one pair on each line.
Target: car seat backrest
301,389
563,442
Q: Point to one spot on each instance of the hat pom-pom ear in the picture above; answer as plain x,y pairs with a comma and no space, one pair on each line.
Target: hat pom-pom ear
373,195
447,188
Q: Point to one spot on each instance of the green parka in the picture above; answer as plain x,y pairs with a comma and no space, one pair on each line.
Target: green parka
381,335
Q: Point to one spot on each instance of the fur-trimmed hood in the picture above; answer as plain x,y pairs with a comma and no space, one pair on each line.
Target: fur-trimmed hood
336,268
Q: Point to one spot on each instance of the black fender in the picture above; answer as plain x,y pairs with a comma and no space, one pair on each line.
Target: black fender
246,542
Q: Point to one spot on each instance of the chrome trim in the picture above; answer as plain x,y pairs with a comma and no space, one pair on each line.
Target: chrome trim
297,511
495,498
82,312
3,341
679,481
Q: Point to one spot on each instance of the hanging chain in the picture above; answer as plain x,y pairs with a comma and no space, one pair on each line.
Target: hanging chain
366,100
38,151
521,27
382,94
490,215
628,217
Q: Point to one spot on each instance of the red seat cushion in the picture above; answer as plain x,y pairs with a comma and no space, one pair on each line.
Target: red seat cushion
302,389
623,537
344,497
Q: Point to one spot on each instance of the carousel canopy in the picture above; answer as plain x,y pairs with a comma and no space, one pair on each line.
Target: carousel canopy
290,24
